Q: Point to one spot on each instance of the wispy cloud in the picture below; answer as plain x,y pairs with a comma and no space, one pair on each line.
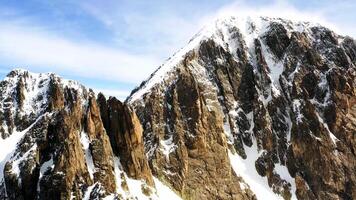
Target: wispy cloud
146,26
38,49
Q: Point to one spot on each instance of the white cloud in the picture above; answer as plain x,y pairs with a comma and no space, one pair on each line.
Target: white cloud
278,8
161,32
38,49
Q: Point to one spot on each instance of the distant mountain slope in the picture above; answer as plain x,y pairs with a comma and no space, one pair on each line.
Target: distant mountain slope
254,106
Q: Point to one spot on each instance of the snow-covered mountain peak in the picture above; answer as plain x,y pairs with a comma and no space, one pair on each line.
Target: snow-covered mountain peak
227,32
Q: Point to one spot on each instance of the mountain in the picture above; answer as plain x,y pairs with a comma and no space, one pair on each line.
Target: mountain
59,141
254,106
251,108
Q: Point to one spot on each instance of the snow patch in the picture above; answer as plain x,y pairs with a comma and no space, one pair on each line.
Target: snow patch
9,145
227,131
16,163
48,165
275,67
247,170
135,187
297,108
118,179
283,172
289,123
88,192
168,146
84,139
164,192
251,121
333,138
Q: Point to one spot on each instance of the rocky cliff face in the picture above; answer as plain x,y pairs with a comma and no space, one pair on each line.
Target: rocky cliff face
125,133
58,141
254,108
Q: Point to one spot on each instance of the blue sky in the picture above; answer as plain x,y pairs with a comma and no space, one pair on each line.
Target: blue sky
113,45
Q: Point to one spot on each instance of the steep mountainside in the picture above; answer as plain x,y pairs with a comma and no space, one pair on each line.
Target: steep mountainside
254,108
57,142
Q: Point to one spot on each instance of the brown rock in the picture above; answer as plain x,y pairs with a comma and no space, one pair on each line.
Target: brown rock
125,133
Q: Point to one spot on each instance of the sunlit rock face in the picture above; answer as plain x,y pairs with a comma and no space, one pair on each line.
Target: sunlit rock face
254,108
50,123
59,141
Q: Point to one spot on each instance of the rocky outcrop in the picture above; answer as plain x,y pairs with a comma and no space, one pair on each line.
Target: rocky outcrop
277,93
125,132
49,161
59,146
